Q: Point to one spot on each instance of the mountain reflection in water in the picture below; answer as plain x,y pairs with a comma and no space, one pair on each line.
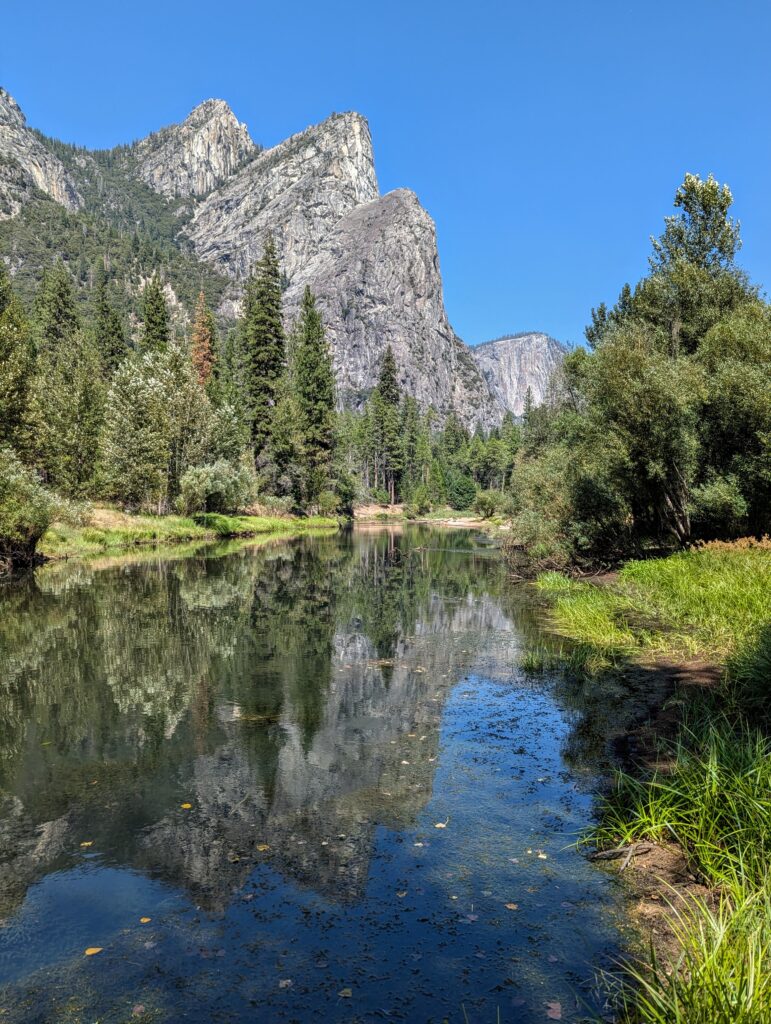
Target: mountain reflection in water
256,751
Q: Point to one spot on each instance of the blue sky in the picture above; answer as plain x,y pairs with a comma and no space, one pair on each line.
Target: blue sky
546,139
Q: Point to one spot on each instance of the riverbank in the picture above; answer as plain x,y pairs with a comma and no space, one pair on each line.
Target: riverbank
690,816
107,529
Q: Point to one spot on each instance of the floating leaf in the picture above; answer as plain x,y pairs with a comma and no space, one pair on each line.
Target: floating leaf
345,993
542,856
93,950
185,806
401,895
442,824
145,920
512,906
86,843
138,1010
554,1010
285,983
262,847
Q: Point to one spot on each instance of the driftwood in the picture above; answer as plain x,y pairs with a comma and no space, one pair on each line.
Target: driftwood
627,852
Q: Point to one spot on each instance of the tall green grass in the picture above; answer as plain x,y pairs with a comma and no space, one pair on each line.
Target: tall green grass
712,794
710,602
723,974
713,799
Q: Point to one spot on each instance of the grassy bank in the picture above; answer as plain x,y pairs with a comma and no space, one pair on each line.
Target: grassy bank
111,530
711,602
708,789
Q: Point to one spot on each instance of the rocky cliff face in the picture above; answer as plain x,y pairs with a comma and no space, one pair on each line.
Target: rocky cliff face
372,260
26,165
298,191
516,363
192,158
376,273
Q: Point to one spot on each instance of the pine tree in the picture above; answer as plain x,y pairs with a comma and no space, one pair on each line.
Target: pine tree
68,402
190,416
108,330
204,341
263,342
387,425
55,315
135,441
16,366
314,384
156,330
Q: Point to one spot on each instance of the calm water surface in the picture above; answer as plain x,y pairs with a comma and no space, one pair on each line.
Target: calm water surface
316,769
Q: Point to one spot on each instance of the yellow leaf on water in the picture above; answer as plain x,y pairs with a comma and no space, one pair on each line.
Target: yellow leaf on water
542,856
345,993
88,842
93,950
512,906
442,824
401,895
262,847
145,920
185,807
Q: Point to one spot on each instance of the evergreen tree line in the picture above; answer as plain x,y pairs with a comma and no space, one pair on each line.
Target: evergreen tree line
658,433
171,418
397,453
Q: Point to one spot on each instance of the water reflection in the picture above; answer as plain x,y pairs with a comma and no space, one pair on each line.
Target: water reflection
256,730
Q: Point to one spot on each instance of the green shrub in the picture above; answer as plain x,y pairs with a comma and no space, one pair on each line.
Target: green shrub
461,490
27,509
486,503
277,506
328,503
219,487
718,508
421,500
380,496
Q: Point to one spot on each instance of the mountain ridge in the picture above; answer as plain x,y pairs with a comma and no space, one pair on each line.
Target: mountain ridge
206,196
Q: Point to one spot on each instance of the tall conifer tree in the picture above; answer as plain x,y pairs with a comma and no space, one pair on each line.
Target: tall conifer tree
263,342
55,314
315,387
387,424
108,330
16,366
156,330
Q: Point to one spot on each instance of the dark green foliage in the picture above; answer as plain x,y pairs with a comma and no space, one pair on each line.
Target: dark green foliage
661,434
263,343
155,316
109,334
68,411
16,367
314,385
27,510
55,317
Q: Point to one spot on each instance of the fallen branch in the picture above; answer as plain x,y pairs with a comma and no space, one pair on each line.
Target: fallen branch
622,851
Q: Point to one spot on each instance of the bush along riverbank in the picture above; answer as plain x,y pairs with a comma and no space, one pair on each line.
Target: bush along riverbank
691,812
107,529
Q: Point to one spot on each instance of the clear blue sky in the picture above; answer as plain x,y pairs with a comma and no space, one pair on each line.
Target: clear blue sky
545,138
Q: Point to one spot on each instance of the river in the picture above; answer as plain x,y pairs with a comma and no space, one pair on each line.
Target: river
299,782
